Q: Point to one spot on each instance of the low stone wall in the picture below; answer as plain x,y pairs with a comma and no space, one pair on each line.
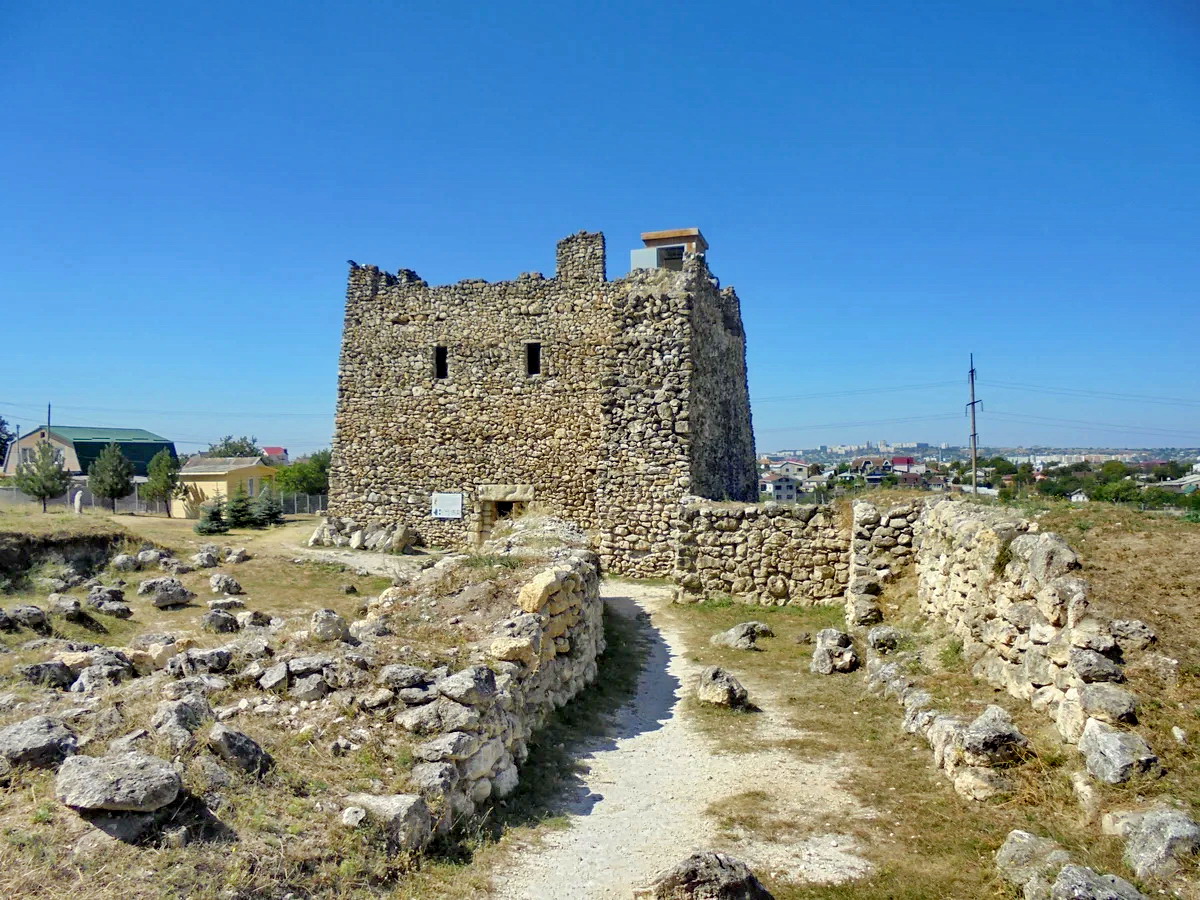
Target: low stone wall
538,658
773,554
1015,598
882,547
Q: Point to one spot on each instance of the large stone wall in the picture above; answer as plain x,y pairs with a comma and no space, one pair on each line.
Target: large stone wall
543,654
1015,598
772,554
642,401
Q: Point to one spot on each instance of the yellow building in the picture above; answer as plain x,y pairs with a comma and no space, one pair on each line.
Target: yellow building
205,478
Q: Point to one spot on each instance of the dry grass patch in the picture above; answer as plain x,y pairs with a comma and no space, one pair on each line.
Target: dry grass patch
925,841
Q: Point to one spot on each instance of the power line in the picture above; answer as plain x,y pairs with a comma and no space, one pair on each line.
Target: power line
896,421
851,393
1103,395
1113,426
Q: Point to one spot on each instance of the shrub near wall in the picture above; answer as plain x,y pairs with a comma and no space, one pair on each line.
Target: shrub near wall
772,554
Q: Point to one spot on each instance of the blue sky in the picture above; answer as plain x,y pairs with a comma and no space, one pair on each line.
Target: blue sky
890,186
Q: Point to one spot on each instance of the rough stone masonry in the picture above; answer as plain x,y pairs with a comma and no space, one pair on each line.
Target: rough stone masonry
604,402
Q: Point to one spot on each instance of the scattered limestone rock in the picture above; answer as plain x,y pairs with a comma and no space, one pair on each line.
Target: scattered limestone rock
239,750
980,783
885,638
743,636
1026,860
40,742
236,555
1081,883
1132,634
405,817
1159,840
1092,667
205,560
51,674
1114,756
177,720
719,688
224,584
31,617
253,618
127,782
165,592
327,625
218,621
992,740
833,653
705,876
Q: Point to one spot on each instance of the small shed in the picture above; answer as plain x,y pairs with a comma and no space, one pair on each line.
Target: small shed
205,478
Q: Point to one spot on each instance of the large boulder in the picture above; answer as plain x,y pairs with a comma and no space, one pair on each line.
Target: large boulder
224,584
743,636
31,617
992,740
1081,883
1030,862
1159,840
239,749
405,818
705,876
51,674
327,625
833,652
40,742
717,687
1114,756
127,782
178,719
165,592
218,622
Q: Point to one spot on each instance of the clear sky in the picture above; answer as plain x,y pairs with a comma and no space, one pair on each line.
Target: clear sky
889,185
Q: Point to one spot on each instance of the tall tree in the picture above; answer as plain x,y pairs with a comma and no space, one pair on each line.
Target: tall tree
235,446
43,477
111,475
308,476
6,437
162,481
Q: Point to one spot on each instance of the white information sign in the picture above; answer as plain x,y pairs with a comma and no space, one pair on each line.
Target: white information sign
447,506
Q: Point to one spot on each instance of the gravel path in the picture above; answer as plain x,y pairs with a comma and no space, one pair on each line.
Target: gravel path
644,800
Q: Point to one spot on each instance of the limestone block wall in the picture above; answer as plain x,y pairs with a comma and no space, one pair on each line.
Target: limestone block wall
882,547
543,654
773,554
641,401
1015,598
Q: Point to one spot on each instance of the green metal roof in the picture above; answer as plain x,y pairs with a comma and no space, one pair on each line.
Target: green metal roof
120,435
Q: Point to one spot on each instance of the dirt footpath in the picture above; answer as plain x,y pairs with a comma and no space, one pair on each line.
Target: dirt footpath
646,797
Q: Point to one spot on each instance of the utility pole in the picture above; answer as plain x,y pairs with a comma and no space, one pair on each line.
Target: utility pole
974,433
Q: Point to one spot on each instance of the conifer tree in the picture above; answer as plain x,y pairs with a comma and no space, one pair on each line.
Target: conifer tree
162,481
212,518
111,475
43,477
238,512
266,509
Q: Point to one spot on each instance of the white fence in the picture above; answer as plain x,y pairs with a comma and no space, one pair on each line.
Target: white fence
293,504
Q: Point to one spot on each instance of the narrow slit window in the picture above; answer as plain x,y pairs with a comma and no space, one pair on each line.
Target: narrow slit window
533,359
441,362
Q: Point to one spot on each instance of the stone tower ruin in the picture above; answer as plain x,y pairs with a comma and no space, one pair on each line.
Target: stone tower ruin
604,402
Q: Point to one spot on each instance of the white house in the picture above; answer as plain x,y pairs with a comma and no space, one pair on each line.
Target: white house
779,487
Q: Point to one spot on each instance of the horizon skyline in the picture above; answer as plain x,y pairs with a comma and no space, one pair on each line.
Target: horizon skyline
889,192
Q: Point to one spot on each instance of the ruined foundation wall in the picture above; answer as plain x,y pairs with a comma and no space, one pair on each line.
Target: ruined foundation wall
1015,597
772,554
